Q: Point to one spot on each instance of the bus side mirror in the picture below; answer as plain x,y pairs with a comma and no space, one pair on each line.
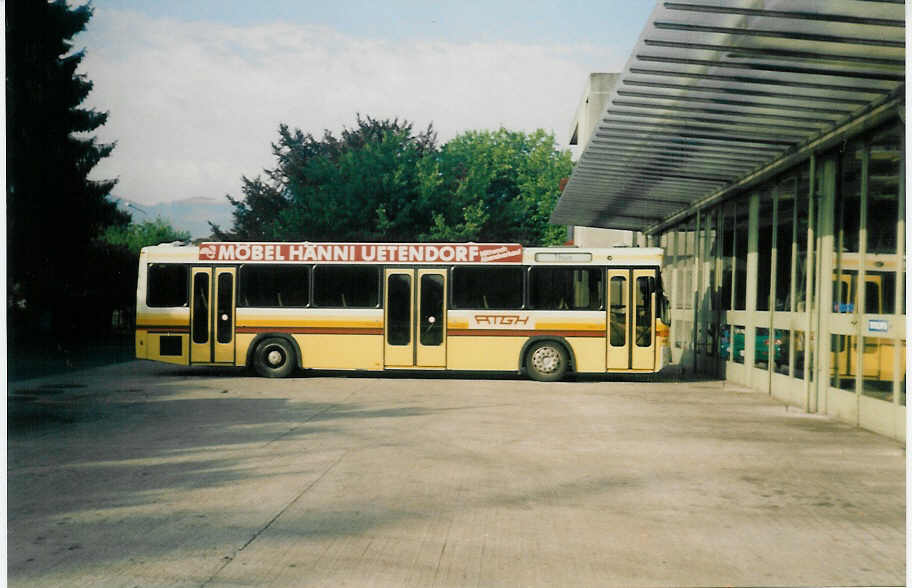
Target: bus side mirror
666,311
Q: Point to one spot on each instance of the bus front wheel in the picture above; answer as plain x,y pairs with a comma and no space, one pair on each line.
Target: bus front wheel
546,361
274,358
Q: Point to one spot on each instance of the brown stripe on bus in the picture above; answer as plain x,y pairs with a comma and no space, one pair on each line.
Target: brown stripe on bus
312,330
520,333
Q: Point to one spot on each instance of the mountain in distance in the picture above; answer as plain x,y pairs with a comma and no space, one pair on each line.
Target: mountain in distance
189,214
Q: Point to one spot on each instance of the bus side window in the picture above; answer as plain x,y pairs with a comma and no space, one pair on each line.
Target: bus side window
494,288
167,285
346,286
270,286
566,288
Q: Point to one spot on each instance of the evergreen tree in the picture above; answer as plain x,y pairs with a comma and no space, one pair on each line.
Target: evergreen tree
54,212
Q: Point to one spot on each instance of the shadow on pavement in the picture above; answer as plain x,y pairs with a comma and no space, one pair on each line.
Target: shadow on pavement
35,359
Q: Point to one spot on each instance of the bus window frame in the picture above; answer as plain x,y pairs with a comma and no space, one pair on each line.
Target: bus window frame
451,281
379,282
239,282
188,290
601,270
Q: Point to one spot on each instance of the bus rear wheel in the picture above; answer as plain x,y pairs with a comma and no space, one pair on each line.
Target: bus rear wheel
274,358
546,361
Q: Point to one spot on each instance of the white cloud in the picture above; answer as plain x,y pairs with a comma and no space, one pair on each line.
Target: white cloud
195,105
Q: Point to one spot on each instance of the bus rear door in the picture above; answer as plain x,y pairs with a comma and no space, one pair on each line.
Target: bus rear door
631,319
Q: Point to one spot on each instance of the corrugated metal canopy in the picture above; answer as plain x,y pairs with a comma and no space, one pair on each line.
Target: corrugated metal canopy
716,89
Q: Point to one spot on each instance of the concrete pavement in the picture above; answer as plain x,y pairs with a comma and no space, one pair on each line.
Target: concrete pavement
147,474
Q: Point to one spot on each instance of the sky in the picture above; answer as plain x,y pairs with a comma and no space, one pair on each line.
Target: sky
196,89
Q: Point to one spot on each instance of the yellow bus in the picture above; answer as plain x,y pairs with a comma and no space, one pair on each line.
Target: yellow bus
278,307
878,362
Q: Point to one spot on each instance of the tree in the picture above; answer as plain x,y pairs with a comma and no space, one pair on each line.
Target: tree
495,186
134,237
382,182
54,212
360,186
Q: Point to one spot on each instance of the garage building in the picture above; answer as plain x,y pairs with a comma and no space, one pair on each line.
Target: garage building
761,144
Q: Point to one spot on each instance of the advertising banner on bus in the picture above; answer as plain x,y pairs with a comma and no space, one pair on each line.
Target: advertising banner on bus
412,253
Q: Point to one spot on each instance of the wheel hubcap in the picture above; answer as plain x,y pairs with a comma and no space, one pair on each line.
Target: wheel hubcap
275,357
546,360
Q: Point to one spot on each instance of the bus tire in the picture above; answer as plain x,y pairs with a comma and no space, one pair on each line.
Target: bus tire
547,361
274,358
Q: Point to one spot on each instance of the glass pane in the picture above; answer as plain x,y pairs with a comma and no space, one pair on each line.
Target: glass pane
761,347
781,351
738,343
842,362
399,311
690,248
784,227
846,227
741,231
880,292
814,254
494,288
618,311
764,249
680,240
883,190
844,292
728,252
687,335
565,288
201,308
167,285
812,338
686,250
643,293
798,371
431,309
224,330
666,242
347,286
712,246
274,286
802,230
588,289
902,372
725,342
711,338
879,368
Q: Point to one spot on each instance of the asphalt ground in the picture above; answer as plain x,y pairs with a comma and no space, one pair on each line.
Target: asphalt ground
142,474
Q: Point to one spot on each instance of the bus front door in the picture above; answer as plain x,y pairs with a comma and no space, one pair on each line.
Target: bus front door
631,319
415,318
212,311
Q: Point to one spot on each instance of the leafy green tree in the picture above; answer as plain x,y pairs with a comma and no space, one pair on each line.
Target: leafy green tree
380,181
134,237
362,185
495,186
54,212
